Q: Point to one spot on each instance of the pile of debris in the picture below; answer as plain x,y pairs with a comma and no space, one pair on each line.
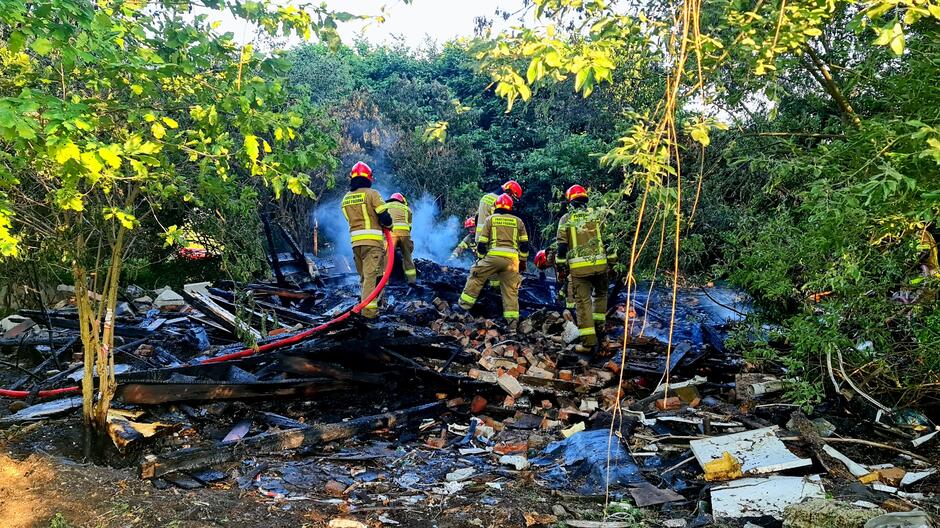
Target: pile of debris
427,405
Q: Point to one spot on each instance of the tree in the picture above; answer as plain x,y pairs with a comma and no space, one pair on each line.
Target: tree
111,111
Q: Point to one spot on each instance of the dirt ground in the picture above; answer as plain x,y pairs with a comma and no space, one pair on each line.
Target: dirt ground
41,485
46,491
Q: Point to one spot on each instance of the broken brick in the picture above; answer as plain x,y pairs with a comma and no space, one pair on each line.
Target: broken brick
569,413
334,488
478,404
509,402
537,372
508,448
510,385
565,375
436,442
483,375
669,404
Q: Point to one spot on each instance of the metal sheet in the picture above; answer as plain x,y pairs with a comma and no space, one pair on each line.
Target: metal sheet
759,451
759,497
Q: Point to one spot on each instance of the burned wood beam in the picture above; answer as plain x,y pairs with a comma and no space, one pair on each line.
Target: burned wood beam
286,293
156,466
272,251
277,420
42,367
33,341
307,367
72,324
153,392
227,301
197,296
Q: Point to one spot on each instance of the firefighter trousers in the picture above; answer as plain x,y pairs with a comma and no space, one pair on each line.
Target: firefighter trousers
407,247
590,300
507,269
370,263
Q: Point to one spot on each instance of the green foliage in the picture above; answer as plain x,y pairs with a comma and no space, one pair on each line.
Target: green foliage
58,521
110,113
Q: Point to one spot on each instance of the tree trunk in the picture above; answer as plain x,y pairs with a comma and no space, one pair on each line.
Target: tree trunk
98,340
824,77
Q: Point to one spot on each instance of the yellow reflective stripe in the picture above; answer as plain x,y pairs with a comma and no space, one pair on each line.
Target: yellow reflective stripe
578,265
489,199
600,317
503,252
587,331
511,314
467,299
569,305
411,272
366,234
365,217
401,227
372,305
381,209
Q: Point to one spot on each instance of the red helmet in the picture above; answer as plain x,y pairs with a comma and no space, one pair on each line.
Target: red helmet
575,191
513,188
470,223
360,169
398,197
541,260
503,202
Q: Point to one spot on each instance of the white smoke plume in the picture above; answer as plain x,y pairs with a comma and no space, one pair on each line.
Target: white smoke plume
434,236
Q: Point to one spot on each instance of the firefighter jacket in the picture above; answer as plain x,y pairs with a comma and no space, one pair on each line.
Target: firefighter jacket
465,245
362,208
485,209
581,244
401,218
503,235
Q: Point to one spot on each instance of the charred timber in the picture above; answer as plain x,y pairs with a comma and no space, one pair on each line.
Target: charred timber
185,459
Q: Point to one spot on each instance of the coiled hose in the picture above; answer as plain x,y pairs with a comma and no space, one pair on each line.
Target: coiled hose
287,341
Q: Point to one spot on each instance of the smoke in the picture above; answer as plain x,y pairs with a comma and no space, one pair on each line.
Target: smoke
434,236
334,227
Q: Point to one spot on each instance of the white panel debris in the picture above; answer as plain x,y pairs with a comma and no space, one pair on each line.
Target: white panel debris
759,451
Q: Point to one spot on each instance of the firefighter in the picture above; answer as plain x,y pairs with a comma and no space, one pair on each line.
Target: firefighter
583,257
470,224
401,229
503,247
546,259
485,208
367,214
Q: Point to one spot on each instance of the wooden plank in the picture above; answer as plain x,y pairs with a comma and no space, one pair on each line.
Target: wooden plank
201,301
191,458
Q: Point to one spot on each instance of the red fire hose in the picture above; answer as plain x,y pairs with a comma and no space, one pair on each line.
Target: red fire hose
290,340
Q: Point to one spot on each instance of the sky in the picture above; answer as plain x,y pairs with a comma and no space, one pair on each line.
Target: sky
441,20
414,23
